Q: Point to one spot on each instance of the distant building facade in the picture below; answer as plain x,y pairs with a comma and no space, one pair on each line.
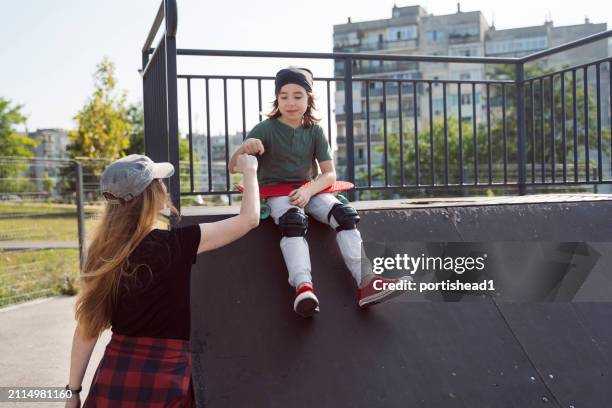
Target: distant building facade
50,144
413,31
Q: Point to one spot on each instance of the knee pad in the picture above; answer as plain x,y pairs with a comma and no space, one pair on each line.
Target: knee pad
293,223
345,215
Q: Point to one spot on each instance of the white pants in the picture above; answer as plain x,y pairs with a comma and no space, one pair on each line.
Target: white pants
295,249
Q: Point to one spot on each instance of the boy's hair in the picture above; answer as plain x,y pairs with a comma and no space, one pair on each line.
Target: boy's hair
121,228
308,120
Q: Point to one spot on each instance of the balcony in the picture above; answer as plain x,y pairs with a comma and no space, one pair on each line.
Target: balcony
463,38
364,46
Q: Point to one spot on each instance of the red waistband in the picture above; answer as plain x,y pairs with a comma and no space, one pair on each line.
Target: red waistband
122,341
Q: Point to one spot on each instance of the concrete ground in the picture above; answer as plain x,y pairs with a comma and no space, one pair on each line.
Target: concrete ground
35,342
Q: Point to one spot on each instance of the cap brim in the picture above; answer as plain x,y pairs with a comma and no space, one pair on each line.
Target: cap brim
162,170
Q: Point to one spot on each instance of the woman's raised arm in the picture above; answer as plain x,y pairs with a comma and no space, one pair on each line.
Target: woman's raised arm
220,233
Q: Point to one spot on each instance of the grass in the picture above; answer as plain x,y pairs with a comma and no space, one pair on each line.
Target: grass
31,221
51,228
31,274
26,275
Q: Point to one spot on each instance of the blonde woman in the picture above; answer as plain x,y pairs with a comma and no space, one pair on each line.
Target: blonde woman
136,282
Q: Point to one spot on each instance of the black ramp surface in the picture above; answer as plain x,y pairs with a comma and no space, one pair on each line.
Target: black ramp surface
251,350
569,346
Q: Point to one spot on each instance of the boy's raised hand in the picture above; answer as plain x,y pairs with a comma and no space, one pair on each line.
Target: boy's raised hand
245,162
253,146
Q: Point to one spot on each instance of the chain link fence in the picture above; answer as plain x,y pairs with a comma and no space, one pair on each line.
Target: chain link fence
47,209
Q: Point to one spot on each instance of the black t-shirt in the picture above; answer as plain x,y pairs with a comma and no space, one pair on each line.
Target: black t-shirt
153,297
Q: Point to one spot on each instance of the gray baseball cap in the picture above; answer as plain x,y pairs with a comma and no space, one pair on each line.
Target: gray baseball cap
129,176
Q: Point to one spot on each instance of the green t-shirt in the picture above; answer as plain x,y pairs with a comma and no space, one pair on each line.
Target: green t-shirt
289,153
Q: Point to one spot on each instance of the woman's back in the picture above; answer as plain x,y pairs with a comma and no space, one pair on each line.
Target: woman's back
153,295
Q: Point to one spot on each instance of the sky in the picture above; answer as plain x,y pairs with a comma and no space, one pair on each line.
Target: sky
50,48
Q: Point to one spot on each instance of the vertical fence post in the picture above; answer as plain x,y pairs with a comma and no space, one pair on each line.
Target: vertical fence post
78,167
348,114
520,121
172,107
160,96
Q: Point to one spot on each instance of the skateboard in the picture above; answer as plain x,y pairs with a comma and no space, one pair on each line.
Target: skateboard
283,189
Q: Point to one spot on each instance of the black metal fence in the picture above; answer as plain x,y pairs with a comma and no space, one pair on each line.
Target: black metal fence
511,129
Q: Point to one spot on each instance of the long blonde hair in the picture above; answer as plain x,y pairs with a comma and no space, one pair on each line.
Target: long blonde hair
121,228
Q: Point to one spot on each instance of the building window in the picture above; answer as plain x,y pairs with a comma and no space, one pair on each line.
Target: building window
434,35
516,45
374,128
372,38
464,30
437,104
360,153
402,33
345,39
466,99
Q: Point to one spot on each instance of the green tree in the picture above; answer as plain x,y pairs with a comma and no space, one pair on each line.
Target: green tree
104,126
12,143
135,115
48,183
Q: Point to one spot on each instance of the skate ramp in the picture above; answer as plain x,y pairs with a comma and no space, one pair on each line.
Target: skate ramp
251,350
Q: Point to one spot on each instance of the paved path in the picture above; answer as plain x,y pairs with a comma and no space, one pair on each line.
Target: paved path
35,341
12,245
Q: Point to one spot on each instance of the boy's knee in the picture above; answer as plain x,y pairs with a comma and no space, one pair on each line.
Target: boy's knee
345,215
293,223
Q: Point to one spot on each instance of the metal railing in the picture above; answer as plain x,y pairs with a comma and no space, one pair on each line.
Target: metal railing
514,123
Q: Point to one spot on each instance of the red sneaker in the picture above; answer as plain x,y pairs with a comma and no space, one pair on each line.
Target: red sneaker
306,303
381,289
